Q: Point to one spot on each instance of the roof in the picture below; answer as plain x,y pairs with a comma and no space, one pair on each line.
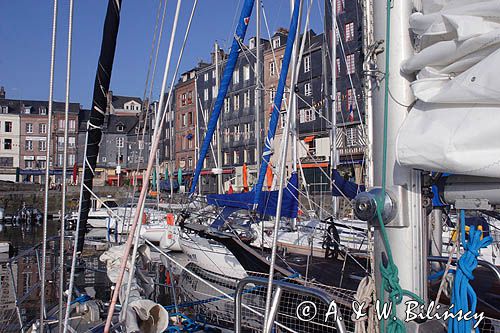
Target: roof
17,106
128,122
119,101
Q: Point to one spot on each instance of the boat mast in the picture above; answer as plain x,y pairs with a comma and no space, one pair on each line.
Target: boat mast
258,66
402,212
220,185
369,49
333,130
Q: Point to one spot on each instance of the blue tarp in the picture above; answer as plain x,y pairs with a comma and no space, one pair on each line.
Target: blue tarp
343,187
165,185
268,201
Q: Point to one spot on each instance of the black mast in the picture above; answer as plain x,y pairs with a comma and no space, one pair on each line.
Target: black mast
98,111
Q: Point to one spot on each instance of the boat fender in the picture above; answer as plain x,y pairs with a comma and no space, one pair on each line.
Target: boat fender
331,242
170,219
144,218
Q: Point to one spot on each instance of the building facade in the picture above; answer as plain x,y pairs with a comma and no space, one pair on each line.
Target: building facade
10,131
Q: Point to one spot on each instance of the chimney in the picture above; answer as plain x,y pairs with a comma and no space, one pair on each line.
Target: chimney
2,93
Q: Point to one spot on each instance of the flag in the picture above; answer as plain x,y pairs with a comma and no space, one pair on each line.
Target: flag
179,176
230,190
245,178
351,114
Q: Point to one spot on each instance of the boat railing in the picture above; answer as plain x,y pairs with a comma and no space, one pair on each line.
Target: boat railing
299,308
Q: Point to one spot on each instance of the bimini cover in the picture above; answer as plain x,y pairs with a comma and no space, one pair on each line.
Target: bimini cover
453,126
268,201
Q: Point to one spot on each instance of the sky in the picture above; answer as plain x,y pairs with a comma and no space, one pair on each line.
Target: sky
25,39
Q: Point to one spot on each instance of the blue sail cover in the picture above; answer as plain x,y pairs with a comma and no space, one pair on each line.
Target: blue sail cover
241,30
278,98
268,200
342,187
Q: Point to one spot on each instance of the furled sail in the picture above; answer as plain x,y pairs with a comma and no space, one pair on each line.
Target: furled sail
239,36
98,111
453,126
345,188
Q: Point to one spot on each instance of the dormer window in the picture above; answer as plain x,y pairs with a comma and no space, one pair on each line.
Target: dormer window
5,109
27,109
276,42
120,128
43,110
251,44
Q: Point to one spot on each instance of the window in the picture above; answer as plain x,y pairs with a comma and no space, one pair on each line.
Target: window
337,67
272,68
5,109
214,91
307,89
42,128
190,163
236,157
28,164
43,110
71,159
272,94
190,97
245,156
7,144
246,131
213,74
27,109
226,158
60,159
61,124
226,135
119,142
350,64
340,6
246,99
236,102
227,104
29,128
351,136
205,94
8,126
307,115
251,43
246,72
42,145
6,162
184,120
351,99
28,145
236,76
72,125
71,142
349,31
190,143
190,118
276,42
236,132
119,128
338,101
183,99
41,164
60,142
205,77
307,63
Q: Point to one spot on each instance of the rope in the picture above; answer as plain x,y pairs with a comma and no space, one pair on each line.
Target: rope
364,295
463,295
388,269
47,166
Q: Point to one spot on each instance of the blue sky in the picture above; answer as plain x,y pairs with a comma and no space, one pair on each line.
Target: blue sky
25,39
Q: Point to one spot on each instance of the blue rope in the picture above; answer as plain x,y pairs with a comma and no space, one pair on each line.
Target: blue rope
463,295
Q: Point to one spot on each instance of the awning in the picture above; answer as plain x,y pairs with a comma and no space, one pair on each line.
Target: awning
309,138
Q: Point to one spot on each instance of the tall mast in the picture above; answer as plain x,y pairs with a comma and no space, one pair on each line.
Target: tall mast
258,66
220,185
333,130
368,42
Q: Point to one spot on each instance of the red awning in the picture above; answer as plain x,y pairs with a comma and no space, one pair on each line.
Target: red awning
309,138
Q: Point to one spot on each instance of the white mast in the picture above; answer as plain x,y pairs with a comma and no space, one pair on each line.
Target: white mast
333,131
220,185
405,231
258,89
369,48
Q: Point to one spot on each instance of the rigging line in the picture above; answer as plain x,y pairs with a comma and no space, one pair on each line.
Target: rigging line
156,135
47,165
170,258
153,44
62,217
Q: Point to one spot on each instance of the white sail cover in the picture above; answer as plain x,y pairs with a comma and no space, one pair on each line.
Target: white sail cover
455,124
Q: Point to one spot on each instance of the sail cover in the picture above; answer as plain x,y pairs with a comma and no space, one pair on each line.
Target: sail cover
268,201
453,126
343,187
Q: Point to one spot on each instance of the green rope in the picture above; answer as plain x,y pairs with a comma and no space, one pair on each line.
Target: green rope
389,271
